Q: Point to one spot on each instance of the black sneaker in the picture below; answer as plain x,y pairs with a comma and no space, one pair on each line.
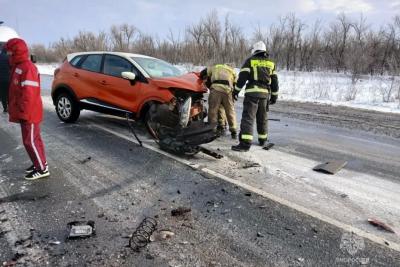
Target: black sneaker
241,147
32,168
34,175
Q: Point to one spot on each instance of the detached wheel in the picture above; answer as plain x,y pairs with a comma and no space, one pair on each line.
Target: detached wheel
67,108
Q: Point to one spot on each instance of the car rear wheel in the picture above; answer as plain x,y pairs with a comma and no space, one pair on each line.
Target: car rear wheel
67,108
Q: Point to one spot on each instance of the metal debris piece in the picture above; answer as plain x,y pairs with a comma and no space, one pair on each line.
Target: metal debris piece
141,236
132,128
161,235
9,263
85,160
268,146
180,211
149,256
251,165
381,225
330,167
81,229
210,153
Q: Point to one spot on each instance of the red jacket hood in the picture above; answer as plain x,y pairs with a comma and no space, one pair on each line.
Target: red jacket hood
189,81
19,49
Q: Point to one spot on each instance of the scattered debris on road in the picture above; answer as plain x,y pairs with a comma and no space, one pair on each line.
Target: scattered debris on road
268,146
9,263
54,242
259,234
251,165
180,211
210,153
161,235
330,167
81,229
84,161
381,225
141,236
247,194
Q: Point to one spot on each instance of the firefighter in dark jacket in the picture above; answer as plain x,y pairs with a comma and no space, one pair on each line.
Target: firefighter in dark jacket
259,72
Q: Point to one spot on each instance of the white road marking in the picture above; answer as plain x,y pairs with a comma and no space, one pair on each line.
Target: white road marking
309,212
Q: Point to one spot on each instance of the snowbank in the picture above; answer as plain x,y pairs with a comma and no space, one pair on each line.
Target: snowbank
380,93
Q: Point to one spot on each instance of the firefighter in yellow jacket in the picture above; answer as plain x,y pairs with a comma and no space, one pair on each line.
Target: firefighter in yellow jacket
258,74
221,79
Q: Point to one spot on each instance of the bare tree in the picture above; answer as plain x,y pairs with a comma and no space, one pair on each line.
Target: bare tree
122,37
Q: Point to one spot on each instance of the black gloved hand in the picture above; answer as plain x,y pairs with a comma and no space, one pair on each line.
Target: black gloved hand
235,95
273,99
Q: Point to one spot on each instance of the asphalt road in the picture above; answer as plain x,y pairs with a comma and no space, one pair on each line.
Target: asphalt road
97,175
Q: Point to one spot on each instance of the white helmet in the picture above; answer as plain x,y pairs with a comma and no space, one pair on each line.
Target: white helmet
259,46
7,33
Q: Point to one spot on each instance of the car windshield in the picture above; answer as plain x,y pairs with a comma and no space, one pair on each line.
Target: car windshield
157,68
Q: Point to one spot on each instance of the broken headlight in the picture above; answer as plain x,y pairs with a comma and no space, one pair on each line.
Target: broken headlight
184,112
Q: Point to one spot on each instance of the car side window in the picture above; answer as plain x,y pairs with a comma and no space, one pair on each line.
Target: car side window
75,60
92,63
115,65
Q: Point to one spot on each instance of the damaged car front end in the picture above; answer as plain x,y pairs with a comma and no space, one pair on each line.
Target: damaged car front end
179,126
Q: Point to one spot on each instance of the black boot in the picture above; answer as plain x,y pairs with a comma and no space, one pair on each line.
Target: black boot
241,147
234,135
261,142
220,130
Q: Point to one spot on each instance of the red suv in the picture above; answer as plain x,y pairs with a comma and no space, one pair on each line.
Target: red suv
140,87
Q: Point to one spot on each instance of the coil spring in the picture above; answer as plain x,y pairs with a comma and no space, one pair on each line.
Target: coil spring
141,236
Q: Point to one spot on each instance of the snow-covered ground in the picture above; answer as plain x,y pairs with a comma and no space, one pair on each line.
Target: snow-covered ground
47,69
380,93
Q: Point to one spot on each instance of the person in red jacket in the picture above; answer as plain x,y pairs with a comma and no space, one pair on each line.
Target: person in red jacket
25,105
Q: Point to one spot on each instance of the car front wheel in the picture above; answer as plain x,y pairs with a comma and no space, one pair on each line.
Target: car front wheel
67,108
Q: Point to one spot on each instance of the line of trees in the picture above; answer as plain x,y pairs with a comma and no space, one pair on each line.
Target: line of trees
344,45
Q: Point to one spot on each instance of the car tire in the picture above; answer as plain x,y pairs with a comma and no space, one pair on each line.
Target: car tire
67,108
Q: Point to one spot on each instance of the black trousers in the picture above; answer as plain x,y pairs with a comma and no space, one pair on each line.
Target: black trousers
4,95
254,108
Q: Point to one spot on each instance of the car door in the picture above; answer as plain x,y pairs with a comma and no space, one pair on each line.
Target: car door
116,90
88,75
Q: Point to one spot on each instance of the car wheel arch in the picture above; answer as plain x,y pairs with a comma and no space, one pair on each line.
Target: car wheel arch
144,108
63,88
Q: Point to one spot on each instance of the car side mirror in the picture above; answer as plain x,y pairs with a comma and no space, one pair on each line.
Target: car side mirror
128,75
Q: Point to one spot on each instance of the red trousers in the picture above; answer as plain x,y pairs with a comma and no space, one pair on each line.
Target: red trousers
33,144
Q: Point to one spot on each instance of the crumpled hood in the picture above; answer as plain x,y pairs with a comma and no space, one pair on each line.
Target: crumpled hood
19,49
189,81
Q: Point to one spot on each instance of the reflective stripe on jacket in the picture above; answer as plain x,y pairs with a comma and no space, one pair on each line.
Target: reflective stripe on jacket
25,102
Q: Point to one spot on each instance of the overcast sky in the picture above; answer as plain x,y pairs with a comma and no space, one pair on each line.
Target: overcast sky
46,21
